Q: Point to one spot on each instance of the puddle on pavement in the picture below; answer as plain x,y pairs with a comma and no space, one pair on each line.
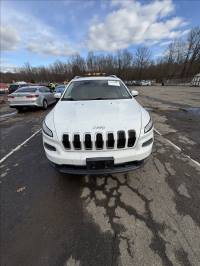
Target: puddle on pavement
192,110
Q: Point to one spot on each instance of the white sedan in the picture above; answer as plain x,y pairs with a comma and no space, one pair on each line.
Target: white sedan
145,83
38,96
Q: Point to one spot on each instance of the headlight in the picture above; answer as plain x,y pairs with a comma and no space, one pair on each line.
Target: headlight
46,130
149,126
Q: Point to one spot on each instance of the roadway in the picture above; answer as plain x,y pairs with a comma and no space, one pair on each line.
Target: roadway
147,217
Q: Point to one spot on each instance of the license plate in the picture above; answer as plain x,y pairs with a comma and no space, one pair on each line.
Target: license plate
19,97
100,163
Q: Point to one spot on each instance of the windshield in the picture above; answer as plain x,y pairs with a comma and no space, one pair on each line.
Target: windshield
96,90
27,89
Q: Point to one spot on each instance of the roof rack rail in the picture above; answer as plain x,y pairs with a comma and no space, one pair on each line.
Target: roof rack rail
114,76
94,74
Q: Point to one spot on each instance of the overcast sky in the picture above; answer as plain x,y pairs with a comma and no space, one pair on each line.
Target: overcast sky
41,32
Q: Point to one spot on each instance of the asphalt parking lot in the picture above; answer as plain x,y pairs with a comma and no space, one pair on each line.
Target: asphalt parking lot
147,217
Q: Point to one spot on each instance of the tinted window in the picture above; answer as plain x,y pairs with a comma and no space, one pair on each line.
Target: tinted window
13,87
27,89
96,90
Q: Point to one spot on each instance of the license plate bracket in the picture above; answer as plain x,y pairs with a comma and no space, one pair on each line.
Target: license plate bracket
98,163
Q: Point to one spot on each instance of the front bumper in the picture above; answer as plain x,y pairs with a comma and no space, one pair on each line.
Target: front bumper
82,170
74,161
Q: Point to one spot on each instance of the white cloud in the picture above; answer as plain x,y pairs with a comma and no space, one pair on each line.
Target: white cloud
6,66
135,23
165,43
9,38
28,32
50,47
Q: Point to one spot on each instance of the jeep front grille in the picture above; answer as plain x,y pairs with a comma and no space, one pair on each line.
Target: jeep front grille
131,138
77,142
121,139
110,142
88,142
99,141
66,141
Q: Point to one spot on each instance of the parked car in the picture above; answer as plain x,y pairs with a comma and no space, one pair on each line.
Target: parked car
133,82
196,81
137,83
15,86
31,96
59,91
3,88
97,127
145,83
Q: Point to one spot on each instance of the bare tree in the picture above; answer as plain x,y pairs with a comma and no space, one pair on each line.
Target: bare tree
142,60
181,59
193,53
78,65
90,61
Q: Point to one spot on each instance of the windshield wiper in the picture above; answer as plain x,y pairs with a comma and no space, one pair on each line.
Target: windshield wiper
68,99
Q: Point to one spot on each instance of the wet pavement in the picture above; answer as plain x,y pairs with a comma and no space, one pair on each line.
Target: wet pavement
5,110
176,114
147,217
193,110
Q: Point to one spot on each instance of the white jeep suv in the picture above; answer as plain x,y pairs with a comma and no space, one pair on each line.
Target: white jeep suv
97,127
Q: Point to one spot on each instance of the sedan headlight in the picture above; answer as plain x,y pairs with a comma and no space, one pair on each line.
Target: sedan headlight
46,130
149,126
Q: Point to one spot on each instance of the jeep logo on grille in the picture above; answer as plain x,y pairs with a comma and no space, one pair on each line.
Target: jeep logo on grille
99,127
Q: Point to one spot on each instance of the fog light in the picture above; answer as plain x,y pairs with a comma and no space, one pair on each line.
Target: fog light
148,142
49,147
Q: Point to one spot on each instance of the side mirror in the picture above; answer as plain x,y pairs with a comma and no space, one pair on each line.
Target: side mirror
134,93
57,95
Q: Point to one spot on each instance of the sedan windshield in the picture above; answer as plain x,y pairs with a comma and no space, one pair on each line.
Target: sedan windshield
27,89
96,90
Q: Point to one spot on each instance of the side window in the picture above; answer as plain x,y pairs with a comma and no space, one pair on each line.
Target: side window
41,89
46,89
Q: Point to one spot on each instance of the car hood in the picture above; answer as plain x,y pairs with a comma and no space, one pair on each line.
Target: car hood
97,116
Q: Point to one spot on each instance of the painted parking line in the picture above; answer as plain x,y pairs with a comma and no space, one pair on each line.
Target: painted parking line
8,115
170,142
177,147
19,146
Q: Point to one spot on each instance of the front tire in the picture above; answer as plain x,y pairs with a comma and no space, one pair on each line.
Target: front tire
44,105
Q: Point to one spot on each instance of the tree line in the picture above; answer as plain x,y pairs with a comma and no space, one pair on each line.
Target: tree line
181,59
